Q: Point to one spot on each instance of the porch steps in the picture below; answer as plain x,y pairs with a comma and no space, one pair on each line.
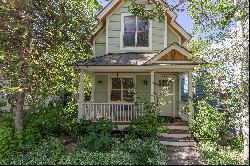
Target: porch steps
173,127
177,135
182,144
174,135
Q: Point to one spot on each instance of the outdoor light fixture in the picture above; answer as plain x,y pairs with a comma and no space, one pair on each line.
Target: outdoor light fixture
145,82
99,82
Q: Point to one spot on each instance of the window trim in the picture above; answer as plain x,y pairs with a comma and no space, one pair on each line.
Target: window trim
121,75
135,48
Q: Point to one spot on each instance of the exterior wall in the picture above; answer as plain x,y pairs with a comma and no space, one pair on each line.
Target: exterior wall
114,28
100,44
143,91
172,37
101,89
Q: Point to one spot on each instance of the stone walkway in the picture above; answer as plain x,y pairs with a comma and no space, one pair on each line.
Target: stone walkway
180,146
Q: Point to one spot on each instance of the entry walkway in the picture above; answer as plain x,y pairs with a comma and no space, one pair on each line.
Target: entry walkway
181,147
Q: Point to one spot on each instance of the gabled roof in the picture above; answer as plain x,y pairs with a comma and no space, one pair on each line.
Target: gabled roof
136,58
171,17
172,47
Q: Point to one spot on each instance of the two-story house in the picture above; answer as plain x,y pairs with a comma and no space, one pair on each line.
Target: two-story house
140,54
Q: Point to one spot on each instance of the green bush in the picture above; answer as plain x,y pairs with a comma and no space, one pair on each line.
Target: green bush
208,124
146,151
129,152
9,141
46,154
219,155
50,121
149,125
99,136
78,128
146,126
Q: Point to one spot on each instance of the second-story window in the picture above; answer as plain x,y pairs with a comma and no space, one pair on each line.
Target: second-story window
136,32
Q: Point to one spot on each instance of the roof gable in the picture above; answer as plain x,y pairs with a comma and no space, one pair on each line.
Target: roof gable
174,53
170,16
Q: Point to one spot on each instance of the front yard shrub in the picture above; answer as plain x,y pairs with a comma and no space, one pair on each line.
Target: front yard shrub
50,121
129,152
146,151
50,152
78,128
9,141
208,124
219,155
99,136
147,126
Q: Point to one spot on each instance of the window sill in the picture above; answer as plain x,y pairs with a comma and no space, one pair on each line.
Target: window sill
136,48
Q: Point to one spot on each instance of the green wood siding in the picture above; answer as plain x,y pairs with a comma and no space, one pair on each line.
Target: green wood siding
100,44
114,29
172,37
143,91
101,89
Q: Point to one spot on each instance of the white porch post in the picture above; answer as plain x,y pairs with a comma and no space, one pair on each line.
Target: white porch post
190,95
81,95
93,88
152,85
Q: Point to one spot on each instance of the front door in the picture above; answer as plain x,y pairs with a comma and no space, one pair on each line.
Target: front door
164,89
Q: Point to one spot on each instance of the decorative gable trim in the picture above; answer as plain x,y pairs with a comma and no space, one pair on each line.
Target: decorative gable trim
170,53
171,17
173,55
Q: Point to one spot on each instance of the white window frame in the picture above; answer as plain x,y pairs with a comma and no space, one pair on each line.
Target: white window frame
120,75
135,48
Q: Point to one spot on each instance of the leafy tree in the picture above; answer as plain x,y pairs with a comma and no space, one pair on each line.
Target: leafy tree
221,29
38,41
224,27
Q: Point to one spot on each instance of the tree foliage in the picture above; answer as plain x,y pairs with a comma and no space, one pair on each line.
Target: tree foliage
39,40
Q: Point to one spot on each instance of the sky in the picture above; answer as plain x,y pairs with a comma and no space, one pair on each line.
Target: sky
182,17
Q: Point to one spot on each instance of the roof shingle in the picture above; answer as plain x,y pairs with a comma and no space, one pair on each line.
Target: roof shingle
119,59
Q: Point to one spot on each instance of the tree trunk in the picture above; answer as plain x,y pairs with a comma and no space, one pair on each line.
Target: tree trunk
20,109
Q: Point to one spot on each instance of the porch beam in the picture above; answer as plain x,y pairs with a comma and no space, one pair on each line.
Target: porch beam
81,95
152,67
190,95
152,85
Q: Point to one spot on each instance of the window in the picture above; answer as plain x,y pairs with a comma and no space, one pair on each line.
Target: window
184,88
136,32
121,89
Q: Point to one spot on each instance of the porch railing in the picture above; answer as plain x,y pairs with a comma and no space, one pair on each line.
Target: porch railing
115,112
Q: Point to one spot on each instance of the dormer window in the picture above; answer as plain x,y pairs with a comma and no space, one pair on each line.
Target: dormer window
136,33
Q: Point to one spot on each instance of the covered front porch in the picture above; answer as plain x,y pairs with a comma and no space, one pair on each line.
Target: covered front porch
115,104
147,75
